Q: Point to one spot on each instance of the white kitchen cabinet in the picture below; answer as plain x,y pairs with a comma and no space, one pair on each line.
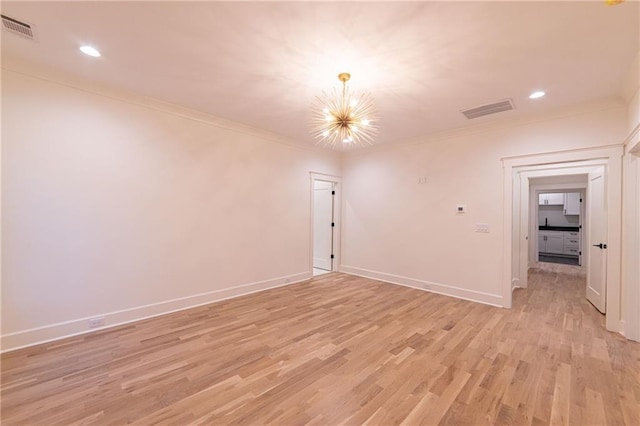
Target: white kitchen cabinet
551,242
571,243
542,243
572,203
555,243
554,199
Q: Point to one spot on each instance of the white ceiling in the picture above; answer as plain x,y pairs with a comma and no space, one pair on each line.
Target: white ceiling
262,63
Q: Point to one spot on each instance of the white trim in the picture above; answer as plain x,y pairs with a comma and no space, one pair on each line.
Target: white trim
325,177
568,162
515,283
586,156
631,223
61,330
631,237
446,290
337,217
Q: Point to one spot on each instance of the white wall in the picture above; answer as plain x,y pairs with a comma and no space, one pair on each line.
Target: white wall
556,216
634,112
407,232
118,208
630,88
115,207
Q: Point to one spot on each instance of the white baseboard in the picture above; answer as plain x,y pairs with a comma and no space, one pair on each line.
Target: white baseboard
35,336
460,293
515,283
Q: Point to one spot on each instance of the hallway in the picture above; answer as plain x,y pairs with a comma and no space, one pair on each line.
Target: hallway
590,375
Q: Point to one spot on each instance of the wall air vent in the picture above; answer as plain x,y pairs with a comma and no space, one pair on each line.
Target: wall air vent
16,27
493,108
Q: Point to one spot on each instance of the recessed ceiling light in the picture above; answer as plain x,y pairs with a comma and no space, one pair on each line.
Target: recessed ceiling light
90,50
536,95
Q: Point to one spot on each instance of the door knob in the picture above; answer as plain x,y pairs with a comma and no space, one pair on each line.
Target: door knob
600,246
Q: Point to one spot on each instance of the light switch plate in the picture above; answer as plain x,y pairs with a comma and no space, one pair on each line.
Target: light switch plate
482,227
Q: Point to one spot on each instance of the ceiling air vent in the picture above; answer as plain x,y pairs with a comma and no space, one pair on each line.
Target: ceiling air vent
493,108
16,27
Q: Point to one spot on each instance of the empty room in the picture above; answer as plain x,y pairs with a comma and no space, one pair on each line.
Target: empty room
325,213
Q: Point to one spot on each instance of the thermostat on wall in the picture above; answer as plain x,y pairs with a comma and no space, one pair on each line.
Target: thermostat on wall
461,209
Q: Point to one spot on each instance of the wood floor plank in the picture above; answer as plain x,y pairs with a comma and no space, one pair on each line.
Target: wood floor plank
561,396
340,349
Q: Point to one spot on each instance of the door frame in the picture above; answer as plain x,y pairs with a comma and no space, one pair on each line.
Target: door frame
631,236
564,162
524,196
337,217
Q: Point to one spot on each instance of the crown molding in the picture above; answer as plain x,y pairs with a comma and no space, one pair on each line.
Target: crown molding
30,69
501,124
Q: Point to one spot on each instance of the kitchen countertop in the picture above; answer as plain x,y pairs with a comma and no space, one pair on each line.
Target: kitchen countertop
559,228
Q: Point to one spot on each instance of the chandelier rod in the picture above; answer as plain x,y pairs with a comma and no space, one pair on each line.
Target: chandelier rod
344,77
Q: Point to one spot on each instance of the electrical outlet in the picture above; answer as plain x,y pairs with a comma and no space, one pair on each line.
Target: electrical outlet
482,227
97,322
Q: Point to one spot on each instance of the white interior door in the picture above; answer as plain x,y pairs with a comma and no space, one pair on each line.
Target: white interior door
581,223
597,238
322,225
524,231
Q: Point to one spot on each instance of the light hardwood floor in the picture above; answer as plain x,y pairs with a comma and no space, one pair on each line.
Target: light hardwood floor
339,349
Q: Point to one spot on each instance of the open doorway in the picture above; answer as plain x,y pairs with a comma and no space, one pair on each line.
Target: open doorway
557,215
559,228
603,165
324,223
323,226
562,237
590,179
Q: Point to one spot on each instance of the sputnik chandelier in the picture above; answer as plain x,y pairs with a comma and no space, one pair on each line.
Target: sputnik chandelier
342,119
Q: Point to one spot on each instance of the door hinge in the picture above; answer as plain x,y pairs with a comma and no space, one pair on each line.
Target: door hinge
332,256
580,253
333,224
334,193
580,199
